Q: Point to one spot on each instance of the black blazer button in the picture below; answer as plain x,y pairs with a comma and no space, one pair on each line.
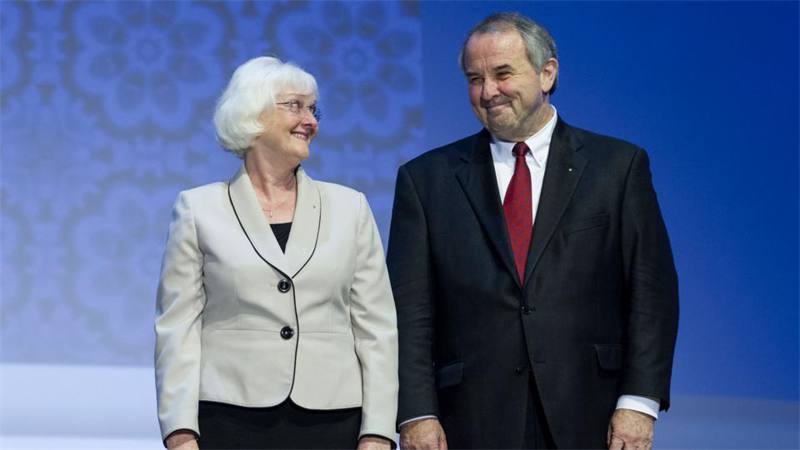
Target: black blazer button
287,333
284,285
519,370
525,309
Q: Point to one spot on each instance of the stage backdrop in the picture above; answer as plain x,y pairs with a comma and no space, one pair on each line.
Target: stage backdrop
106,115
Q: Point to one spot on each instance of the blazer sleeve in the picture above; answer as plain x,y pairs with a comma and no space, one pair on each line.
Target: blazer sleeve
374,322
652,284
179,305
410,270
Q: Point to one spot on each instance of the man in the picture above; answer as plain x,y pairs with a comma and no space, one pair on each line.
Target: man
534,282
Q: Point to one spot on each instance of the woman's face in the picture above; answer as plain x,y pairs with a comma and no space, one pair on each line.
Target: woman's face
289,127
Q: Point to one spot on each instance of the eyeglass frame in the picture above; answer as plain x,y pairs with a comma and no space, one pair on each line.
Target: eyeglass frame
296,106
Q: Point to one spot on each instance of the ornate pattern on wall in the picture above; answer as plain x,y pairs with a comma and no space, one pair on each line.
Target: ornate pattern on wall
106,116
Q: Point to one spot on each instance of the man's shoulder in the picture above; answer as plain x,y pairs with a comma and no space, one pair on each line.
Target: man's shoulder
601,144
444,155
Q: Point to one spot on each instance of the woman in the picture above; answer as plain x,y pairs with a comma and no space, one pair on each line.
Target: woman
275,322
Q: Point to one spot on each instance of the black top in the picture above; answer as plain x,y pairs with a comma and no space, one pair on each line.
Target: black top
281,231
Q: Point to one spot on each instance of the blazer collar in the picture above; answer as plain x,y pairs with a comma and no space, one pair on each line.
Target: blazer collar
563,172
305,224
479,182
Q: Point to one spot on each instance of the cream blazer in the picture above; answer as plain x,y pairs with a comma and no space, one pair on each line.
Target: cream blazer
240,322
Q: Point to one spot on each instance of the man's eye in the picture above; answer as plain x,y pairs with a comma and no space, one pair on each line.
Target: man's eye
475,80
294,104
503,75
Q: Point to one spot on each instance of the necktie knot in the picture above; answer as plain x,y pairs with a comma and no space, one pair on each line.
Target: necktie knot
520,149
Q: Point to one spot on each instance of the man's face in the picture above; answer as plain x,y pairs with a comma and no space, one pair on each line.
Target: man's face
506,92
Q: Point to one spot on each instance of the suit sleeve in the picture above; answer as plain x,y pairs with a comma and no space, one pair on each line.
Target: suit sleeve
652,284
374,322
412,282
179,305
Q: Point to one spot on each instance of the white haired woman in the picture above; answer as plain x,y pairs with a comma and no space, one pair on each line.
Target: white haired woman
275,321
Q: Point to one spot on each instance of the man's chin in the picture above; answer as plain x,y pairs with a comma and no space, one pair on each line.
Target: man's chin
500,130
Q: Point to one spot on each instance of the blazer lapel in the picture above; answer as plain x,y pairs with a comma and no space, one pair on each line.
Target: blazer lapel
305,225
254,224
564,169
479,182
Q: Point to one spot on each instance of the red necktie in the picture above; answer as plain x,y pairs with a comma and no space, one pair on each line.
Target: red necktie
518,209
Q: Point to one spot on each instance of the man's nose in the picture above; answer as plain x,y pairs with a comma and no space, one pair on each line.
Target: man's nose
489,89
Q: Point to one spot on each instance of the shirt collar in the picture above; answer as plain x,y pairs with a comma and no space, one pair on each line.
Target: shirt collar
539,144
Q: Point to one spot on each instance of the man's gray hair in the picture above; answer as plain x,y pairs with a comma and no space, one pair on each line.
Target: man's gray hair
539,45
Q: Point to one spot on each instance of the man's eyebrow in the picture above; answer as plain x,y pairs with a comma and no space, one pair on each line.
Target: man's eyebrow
502,67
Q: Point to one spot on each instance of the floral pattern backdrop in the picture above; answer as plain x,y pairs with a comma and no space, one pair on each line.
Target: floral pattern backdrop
105,115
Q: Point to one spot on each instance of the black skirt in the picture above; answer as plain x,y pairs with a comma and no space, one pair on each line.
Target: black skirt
285,426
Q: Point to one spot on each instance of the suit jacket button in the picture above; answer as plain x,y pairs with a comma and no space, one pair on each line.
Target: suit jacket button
519,370
287,333
525,309
284,285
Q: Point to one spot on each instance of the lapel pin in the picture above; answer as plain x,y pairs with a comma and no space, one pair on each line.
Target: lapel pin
569,169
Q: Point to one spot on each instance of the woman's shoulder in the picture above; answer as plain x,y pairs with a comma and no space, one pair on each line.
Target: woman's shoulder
339,193
204,193
336,188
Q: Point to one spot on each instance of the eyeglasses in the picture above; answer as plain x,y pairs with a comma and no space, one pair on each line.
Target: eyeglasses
296,107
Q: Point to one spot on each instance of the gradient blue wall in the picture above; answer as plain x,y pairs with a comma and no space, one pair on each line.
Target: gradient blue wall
711,91
105,116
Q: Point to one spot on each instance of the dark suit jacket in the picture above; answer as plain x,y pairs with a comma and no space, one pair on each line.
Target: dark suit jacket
596,316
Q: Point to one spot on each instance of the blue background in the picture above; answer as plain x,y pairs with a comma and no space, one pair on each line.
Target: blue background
106,114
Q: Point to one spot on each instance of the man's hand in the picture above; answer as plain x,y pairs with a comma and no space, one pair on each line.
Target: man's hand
630,430
423,434
182,440
374,443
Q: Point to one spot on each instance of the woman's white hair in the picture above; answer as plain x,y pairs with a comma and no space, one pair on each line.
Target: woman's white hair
252,90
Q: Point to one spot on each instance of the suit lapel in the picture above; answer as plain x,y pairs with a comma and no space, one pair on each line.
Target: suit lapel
254,224
305,225
479,182
564,169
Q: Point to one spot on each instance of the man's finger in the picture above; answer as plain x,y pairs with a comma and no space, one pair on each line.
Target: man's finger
442,442
616,443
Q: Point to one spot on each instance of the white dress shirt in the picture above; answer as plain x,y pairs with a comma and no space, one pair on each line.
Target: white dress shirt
504,161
